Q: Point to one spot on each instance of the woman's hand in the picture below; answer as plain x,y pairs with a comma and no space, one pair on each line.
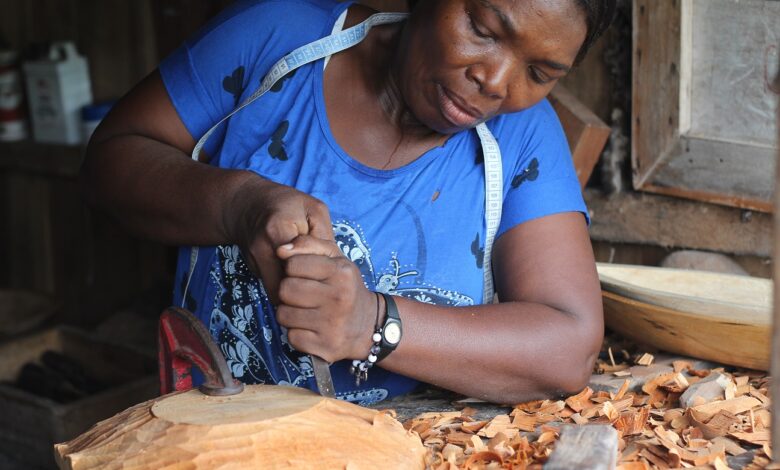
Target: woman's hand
263,215
325,306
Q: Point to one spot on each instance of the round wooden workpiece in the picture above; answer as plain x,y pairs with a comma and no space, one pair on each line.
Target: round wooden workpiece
253,405
262,427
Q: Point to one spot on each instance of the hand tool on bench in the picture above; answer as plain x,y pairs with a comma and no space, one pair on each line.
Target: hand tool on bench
184,341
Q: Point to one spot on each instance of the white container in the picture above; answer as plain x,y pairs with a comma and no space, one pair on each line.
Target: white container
57,88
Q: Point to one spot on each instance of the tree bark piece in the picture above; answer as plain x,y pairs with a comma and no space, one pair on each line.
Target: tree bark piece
592,446
262,427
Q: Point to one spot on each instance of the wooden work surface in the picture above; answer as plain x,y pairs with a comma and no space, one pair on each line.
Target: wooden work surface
668,410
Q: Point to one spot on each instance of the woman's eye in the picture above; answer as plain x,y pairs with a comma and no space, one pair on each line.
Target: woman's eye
476,29
538,76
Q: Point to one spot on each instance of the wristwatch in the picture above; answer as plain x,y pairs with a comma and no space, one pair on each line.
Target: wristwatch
392,330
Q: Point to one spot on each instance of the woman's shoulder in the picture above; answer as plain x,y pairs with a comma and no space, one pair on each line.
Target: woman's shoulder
534,130
540,118
258,17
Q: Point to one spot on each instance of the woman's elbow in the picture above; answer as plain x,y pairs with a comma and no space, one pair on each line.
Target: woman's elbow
576,371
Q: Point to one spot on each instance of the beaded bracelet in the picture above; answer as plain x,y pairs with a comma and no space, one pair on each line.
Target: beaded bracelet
360,368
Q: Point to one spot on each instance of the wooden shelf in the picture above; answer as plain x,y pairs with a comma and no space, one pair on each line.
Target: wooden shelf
50,159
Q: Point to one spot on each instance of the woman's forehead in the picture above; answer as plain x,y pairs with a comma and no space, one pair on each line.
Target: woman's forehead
530,11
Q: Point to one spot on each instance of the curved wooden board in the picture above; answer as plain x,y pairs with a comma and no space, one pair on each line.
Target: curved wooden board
741,299
706,337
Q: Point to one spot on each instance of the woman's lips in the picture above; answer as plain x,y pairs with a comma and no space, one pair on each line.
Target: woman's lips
453,112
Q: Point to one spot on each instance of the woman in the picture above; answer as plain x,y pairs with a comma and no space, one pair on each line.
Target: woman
362,176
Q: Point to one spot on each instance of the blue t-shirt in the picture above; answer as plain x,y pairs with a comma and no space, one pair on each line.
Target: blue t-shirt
417,231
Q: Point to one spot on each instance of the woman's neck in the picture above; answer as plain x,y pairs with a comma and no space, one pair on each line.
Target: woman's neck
389,92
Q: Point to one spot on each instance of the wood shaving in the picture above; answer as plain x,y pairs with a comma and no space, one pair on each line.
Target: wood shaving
655,431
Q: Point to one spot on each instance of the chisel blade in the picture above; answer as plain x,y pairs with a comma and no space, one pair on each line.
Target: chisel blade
322,375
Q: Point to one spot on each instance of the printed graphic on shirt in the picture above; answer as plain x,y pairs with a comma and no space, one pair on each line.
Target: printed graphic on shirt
478,251
243,321
276,147
278,85
529,174
234,83
388,280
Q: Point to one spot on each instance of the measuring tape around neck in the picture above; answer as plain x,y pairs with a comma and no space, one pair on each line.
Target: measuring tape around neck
339,41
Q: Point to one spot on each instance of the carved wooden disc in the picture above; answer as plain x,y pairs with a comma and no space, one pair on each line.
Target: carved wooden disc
252,405
263,427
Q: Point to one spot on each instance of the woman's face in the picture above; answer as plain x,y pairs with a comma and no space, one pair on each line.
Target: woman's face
465,61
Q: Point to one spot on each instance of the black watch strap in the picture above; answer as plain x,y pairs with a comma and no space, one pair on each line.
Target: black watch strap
392,330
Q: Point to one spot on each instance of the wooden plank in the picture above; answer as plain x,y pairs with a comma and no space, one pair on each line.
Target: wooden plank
775,372
730,173
48,159
31,262
585,132
702,125
591,81
592,446
670,222
116,36
655,96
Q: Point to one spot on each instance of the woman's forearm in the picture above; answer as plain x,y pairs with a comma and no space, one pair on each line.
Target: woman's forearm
506,353
157,191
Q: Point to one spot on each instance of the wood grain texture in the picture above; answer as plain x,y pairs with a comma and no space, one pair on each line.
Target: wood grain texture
701,115
655,94
717,295
263,427
728,341
32,424
775,372
671,222
116,36
593,446
585,132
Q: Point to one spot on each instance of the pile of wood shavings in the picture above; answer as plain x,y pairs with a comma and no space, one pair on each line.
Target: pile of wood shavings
654,430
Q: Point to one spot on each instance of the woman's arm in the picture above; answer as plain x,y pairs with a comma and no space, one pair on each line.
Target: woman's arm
138,168
541,339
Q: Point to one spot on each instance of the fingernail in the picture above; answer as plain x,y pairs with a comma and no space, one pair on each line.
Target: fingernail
288,246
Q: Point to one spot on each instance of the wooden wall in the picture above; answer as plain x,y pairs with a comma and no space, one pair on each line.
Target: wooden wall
49,240
122,39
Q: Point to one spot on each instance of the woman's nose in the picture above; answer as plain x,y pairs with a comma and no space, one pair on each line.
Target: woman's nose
493,77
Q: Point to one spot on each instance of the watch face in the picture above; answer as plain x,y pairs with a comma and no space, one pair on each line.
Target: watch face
392,333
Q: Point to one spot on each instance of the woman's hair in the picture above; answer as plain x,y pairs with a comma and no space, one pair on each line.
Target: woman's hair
598,16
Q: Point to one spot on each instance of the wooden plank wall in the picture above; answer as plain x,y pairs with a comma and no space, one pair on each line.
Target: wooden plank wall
49,240
122,39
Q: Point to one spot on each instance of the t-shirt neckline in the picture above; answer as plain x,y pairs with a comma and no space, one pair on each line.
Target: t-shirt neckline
322,116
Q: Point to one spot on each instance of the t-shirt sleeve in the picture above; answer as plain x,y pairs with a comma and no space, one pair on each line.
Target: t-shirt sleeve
539,175
222,64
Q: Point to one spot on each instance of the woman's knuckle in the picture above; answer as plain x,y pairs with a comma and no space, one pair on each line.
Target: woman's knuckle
294,338
282,315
